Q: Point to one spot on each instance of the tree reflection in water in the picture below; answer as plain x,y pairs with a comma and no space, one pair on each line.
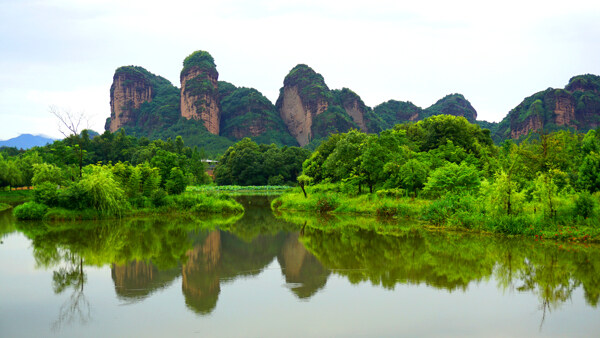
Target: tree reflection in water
71,275
364,250
148,255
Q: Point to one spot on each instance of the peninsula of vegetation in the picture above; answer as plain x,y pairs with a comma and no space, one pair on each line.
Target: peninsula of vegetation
447,172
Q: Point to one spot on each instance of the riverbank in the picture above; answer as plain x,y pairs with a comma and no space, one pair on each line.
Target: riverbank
186,203
15,196
465,212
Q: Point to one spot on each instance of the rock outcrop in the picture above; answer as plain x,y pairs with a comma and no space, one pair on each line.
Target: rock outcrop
245,112
453,104
130,88
577,107
304,95
200,283
393,112
200,90
353,105
138,279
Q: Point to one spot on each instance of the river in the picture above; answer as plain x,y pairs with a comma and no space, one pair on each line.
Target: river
259,275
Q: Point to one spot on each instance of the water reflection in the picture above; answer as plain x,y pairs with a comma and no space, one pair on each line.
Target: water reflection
149,255
446,260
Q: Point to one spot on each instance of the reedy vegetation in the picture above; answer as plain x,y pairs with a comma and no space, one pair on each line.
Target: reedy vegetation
447,172
153,183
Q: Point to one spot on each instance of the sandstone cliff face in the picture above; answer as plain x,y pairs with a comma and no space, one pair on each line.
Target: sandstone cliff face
357,115
576,107
200,90
128,91
533,122
198,99
297,116
200,282
304,96
353,105
564,109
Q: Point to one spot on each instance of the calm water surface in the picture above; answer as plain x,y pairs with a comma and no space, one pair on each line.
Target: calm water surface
266,276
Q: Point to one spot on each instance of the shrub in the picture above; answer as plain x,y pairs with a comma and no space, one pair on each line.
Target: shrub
46,173
158,197
512,225
46,193
396,193
584,205
177,182
30,210
74,197
326,203
452,178
102,190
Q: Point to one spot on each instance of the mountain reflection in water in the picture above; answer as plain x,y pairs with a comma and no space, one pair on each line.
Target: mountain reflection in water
148,255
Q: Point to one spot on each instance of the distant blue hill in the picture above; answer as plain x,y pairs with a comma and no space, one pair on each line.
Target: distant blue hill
26,141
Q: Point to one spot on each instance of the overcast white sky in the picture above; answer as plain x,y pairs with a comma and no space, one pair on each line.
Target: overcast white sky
64,52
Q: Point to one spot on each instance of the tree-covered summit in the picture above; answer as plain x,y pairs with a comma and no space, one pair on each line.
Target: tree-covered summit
202,60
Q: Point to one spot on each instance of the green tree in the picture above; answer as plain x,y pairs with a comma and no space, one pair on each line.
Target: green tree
503,195
10,174
44,172
589,173
177,182
452,178
413,175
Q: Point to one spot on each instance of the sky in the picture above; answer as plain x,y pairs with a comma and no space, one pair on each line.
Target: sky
63,53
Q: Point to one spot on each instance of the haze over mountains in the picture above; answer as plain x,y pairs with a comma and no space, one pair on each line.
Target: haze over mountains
213,114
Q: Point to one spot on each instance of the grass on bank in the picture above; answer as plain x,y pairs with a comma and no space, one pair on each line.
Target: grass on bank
240,190
15,196
468,212
186,203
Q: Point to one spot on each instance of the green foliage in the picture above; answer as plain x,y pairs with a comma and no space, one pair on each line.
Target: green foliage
326,203
47,173
585,205
436,131
245,112
503,195
334,120
311,85
589,173
199,59
10,174
207,203
393,112
177,182
30,211
508,224
453,104
102,190
247,163
452,179
46,193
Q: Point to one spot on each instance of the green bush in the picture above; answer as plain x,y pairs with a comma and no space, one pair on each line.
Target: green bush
396,193
74,197
441,210
46,193
158,197
584,205
30,210
327,203
511,225
177,182
102,190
